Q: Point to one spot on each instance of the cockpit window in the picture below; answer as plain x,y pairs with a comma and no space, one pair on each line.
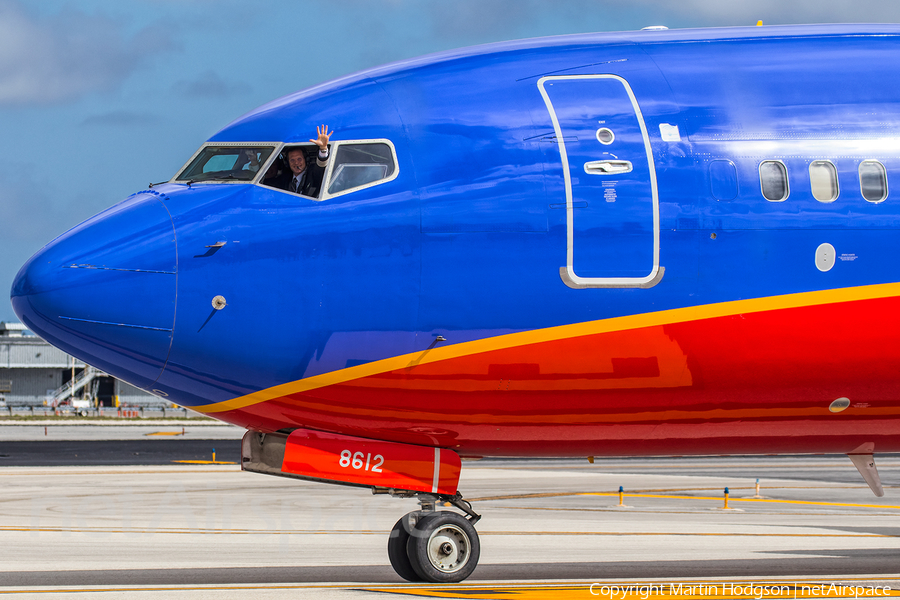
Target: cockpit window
360,164
226,163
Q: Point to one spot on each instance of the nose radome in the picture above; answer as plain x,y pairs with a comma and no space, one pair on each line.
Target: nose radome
105,290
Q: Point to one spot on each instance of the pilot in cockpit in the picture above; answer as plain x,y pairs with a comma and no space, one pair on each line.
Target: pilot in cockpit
305,175
248,160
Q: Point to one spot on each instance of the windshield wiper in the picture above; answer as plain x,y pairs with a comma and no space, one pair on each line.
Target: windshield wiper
230,176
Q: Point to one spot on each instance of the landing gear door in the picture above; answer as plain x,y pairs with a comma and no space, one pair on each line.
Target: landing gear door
612,206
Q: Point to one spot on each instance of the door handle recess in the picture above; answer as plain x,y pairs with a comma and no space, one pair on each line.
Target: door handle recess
607,167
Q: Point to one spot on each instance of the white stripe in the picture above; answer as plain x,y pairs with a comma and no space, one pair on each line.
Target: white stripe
437,470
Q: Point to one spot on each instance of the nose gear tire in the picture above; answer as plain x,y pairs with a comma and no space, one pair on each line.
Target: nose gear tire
443,547
397,543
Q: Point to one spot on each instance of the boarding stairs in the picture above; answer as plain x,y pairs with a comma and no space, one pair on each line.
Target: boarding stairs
70,388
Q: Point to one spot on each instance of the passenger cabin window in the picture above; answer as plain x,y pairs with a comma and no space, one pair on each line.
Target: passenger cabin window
360,164
873,180
723,182
226,164
823,180
773,180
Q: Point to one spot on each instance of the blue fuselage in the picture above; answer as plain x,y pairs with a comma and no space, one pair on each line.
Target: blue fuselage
496,223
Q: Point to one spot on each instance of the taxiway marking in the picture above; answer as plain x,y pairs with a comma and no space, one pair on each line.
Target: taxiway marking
532,591
678,497
185,531
629,590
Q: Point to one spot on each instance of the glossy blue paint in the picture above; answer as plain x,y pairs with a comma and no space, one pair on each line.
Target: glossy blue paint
723,180
467,242
105,290
612,181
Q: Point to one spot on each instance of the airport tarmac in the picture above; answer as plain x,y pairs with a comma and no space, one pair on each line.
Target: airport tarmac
550,529
62,443
119,429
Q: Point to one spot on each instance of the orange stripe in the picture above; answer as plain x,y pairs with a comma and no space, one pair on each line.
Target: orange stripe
562,332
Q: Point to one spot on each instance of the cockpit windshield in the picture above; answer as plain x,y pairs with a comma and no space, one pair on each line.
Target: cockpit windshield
226,163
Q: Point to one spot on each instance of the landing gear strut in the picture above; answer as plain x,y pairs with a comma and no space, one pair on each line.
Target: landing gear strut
434,545
426,545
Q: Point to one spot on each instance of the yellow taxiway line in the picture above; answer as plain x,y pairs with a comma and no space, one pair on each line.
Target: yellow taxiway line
680,497
678,590
765,589
517,532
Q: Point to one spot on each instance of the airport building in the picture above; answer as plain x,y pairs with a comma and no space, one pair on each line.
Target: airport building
34,373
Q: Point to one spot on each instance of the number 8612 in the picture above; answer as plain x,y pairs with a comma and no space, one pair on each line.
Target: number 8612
358,460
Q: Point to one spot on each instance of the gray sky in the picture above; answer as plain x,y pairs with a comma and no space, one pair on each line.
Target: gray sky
100,97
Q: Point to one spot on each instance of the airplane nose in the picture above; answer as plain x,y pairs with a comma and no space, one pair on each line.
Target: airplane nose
105,290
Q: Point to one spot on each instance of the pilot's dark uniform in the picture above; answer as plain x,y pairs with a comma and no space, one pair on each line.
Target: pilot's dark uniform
311,179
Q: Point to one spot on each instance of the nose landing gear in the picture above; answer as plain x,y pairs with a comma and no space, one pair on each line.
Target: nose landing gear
433,545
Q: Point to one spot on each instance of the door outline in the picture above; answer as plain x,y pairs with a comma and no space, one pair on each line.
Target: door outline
567,273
